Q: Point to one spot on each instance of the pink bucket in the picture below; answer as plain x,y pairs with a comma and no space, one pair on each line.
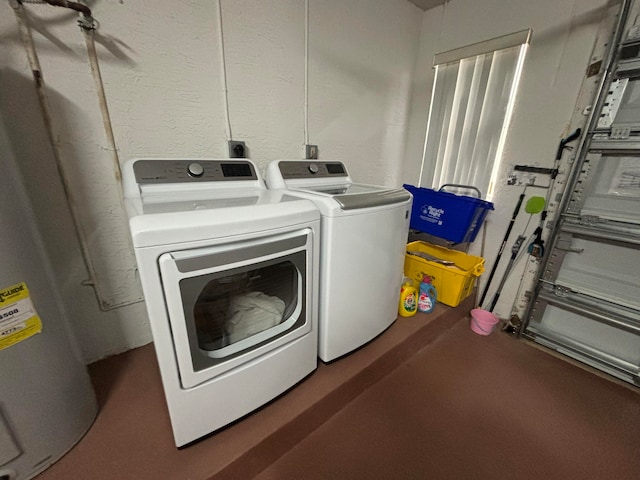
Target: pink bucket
483,322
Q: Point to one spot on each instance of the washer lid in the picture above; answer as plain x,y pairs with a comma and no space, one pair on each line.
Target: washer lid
357,195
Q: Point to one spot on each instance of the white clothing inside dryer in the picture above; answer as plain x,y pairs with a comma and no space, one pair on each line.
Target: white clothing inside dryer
251,313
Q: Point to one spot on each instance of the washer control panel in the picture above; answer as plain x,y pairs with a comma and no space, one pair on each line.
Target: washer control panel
151,171
311,169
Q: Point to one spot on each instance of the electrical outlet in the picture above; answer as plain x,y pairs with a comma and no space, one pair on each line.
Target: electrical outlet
311,152
237,149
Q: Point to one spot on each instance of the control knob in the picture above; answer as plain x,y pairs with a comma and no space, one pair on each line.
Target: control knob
195,169
313,168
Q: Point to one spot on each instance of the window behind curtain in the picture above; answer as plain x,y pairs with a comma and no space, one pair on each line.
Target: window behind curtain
472,100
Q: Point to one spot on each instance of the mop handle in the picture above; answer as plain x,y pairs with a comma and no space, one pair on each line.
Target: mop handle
514,253
504,243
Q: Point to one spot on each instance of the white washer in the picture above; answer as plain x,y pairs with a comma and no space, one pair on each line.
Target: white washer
229,271
364,235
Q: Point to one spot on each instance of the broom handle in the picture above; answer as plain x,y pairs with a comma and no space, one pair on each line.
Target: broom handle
504,243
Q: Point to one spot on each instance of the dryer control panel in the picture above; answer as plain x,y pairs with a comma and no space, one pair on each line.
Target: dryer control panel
152,171
311,169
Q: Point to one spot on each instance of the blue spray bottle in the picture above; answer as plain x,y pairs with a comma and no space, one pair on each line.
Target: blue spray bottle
427,296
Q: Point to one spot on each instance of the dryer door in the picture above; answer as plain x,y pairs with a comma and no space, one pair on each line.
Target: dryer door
231,303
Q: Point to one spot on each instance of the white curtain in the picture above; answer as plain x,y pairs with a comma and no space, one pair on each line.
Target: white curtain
470,108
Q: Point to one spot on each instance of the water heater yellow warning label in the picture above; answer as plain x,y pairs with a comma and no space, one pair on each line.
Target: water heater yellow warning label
18,317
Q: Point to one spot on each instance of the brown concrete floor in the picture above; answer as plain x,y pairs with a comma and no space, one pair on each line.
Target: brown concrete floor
472,407
427,399
131,437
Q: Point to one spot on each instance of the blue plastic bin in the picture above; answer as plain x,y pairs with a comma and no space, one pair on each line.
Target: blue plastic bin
456,218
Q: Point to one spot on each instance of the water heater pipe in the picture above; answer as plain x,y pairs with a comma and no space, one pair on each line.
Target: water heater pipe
87,24
306,72
34,64
223,70
102,101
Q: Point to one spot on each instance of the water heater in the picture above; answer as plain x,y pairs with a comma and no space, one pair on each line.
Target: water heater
46,399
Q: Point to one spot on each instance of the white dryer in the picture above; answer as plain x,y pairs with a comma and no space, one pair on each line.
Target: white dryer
229,270
364,235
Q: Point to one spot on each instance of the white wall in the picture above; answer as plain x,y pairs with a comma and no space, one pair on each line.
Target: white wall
562,42
161,68
369,62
